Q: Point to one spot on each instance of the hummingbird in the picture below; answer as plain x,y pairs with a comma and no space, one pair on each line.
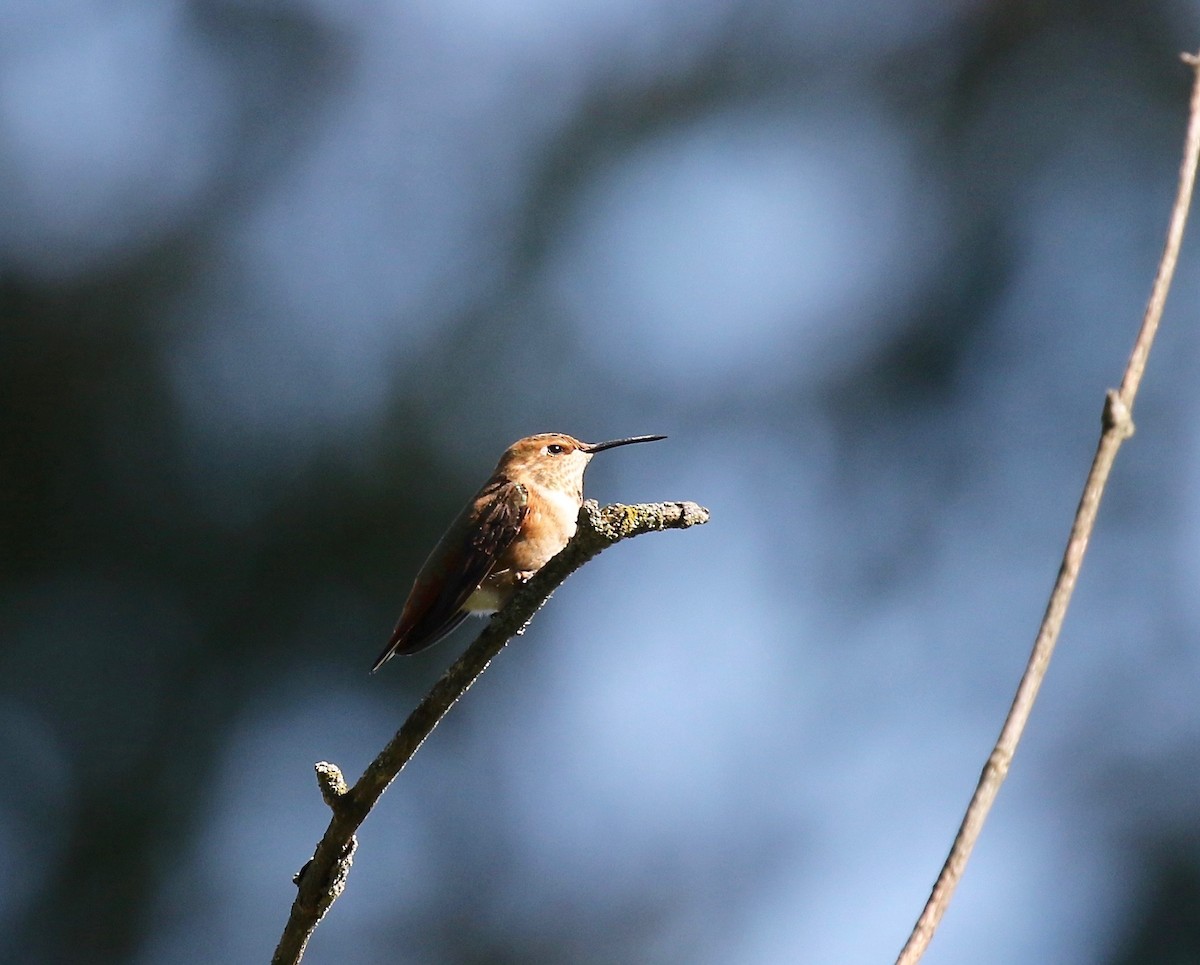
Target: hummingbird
524,515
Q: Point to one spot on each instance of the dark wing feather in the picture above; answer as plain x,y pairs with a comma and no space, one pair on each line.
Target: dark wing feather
435,606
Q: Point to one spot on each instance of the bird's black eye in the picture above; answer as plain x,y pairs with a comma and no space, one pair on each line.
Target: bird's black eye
554,449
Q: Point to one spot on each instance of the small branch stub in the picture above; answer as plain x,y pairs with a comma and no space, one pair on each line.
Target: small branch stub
333,785
1117,416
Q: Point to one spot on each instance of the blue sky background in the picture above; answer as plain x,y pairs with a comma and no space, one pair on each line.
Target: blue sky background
280,280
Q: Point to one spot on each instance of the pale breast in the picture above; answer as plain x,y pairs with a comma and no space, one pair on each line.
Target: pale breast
548,527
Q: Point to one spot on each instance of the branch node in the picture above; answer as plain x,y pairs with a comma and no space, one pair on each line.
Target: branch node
341,871
998,763
1117,417
330,890
331,782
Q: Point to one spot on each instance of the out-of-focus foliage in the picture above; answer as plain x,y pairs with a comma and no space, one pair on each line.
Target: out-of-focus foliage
278,282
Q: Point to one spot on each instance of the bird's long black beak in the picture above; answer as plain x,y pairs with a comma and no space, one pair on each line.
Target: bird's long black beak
601,446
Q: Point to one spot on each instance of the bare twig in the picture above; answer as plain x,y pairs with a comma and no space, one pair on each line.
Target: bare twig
1117,426
322,880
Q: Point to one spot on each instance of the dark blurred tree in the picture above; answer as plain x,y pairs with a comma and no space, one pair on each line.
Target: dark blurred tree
99,501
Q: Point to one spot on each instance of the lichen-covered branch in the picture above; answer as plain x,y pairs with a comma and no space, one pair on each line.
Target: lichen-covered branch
322,880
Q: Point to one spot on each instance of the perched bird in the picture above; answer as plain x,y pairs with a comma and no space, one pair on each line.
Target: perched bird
524,515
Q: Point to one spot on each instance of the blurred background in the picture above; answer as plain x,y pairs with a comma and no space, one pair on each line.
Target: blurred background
279,281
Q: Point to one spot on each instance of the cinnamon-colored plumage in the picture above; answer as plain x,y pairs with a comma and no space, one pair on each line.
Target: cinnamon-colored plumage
524,515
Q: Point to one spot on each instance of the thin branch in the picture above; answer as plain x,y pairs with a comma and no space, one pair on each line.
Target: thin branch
322,880
1117,426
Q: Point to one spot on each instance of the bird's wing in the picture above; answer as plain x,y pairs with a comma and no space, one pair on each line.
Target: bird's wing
452,573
